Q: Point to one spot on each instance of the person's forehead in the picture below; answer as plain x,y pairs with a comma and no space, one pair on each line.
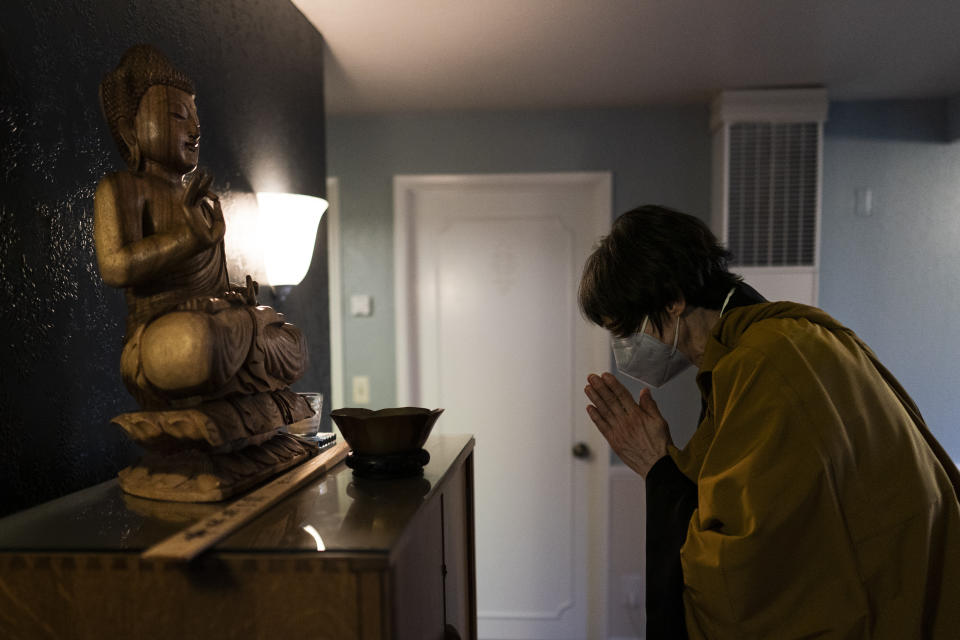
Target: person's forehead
645,325
607,323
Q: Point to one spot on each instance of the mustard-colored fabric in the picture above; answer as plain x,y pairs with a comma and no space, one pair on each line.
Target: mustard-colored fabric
824,509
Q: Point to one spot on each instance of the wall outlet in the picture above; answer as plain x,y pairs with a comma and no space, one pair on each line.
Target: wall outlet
632,589
361,389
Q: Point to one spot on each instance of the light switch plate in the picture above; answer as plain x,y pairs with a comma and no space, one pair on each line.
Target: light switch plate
361,304
864,201
361,389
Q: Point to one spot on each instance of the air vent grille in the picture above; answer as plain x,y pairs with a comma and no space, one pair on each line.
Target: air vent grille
773,193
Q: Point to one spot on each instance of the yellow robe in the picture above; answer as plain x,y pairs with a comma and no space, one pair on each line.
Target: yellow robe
826,508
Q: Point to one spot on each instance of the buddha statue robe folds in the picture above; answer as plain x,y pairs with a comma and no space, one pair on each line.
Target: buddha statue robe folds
209,367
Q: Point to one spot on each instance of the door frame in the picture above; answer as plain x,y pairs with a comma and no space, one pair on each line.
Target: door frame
404,191
335,293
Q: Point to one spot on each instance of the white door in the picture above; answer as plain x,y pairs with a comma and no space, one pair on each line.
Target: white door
488,328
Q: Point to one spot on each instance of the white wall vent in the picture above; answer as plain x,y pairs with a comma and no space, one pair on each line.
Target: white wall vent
768,148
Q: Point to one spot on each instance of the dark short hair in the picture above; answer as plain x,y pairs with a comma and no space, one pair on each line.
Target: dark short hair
653,257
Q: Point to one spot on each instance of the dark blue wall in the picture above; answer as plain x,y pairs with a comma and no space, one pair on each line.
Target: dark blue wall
257,65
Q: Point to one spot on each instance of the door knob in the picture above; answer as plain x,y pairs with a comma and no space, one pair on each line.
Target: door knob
581,450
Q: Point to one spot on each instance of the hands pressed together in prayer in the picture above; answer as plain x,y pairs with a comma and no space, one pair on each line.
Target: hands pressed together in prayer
635,430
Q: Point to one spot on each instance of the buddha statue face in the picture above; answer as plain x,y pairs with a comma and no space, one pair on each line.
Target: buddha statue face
167,129
146,102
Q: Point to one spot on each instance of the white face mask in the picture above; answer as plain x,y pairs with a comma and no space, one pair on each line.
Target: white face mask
644,358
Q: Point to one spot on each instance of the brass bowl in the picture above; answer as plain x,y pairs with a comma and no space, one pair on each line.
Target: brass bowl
387,431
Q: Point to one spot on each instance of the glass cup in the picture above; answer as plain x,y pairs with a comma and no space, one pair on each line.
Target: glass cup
308,427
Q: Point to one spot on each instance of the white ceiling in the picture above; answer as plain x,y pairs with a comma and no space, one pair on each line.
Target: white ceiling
414,55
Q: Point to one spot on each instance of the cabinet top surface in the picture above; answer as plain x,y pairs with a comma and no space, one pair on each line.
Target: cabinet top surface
334,512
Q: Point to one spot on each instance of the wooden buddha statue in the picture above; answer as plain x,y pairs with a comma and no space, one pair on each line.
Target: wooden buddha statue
208,366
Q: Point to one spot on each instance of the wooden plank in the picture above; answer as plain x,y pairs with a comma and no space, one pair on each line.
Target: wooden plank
194,540
371,609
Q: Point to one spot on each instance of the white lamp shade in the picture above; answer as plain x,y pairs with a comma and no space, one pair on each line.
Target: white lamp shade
287,228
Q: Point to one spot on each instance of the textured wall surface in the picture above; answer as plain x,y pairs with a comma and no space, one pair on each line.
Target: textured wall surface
892,276
257,65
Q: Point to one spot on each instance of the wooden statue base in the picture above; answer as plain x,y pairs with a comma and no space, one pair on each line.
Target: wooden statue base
218,426
214,450
196,476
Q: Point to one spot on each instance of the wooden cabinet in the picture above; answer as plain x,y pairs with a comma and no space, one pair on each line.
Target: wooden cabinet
341,559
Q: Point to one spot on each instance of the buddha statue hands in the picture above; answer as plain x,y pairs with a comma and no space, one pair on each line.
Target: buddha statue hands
246,294
204,217
201,209
236,296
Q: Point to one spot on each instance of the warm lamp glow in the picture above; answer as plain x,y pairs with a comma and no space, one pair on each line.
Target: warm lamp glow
287,228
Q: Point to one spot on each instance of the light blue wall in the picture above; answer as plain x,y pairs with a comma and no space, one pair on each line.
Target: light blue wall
656,155
894,277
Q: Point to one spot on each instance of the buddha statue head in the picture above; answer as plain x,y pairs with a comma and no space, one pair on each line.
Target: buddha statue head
150,109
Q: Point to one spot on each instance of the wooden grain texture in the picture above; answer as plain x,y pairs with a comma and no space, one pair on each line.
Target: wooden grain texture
371,618
408,586
217,427
63,596
209,366
417,580
195,539
192,475
459,579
